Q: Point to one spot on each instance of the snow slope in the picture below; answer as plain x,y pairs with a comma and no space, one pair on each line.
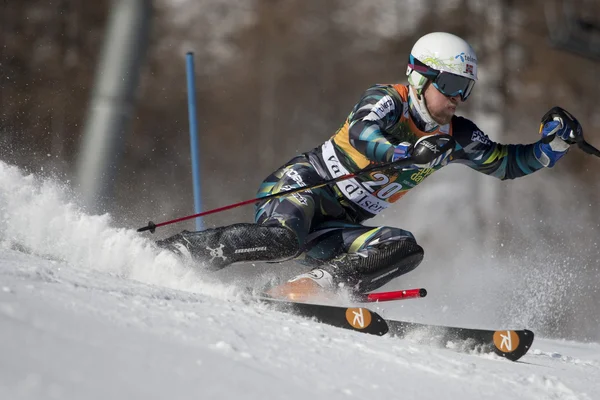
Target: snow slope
91,311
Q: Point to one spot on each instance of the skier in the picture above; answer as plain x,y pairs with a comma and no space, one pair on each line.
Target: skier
323,228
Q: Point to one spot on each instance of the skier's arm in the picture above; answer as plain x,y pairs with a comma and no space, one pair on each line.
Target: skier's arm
478,151
378,109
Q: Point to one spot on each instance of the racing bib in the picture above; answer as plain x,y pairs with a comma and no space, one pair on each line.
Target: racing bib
351,188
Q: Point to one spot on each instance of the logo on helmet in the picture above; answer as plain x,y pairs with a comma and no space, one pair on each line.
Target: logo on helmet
468,69
466,57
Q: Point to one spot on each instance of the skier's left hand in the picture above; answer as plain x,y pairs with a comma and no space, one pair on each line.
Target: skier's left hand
559,130
570,130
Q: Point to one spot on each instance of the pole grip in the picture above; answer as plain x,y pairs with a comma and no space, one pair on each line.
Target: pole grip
150,227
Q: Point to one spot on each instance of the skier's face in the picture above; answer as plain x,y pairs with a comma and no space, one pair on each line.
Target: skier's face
440,107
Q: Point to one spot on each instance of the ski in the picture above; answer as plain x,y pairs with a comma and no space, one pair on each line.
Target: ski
352,318
510,344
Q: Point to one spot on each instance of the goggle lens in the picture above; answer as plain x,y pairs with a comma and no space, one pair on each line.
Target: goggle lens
447,83
453,85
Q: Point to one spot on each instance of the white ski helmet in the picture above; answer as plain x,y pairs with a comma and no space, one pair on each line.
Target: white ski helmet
446,60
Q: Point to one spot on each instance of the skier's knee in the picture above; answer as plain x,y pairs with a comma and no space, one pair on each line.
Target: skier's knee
410,256
283,242
401,259
380,266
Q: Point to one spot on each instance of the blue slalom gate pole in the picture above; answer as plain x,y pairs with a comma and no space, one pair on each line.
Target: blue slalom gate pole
191,89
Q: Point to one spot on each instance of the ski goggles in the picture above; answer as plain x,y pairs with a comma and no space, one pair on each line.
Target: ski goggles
447,83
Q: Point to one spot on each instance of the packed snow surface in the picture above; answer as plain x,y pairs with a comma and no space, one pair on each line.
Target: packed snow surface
92,311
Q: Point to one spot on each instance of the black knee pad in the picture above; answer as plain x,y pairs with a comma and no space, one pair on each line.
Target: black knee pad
381,265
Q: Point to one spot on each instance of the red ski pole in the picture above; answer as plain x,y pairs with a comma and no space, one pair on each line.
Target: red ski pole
397,164
424,152
390,296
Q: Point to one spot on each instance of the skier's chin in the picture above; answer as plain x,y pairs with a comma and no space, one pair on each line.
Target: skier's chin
445,116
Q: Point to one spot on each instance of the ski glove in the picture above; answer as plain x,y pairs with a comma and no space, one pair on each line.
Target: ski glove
559,130
404,150
401,151
441,159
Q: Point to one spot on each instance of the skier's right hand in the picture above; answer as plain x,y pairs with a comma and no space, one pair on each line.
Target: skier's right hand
439,155
402,151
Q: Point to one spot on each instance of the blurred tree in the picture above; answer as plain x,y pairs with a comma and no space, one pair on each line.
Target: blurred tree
48,55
